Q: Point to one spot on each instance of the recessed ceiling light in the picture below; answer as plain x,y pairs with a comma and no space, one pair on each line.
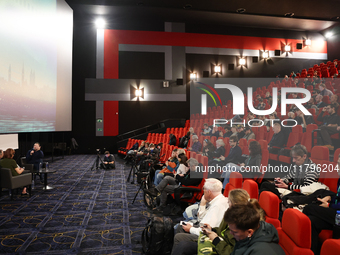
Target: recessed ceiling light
289,14
241,10
187,6
100,23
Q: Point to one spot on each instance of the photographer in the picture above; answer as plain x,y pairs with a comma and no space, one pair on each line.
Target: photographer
108,161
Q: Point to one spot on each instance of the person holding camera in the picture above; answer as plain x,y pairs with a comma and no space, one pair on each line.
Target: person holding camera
108,161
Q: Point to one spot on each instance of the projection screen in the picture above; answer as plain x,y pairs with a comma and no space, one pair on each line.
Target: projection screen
35,66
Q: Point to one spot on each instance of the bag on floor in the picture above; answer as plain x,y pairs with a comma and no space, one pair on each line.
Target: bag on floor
157,236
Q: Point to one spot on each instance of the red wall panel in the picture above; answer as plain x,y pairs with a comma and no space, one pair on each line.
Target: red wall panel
111,118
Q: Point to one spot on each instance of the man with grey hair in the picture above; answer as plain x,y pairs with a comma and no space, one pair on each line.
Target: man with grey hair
196,145
169,184
213,205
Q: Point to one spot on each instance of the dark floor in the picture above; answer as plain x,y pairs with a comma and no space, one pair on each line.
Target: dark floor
87,212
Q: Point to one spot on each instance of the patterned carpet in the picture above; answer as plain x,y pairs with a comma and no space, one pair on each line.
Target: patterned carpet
87,212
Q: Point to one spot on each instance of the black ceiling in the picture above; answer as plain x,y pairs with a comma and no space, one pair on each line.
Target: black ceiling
309,15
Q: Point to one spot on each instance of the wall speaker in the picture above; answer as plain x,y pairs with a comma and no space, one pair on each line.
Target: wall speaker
255,59
277,52
179,81
299,46
231,66
205,74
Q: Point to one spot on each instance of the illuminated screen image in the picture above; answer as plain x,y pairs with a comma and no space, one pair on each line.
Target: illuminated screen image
35,66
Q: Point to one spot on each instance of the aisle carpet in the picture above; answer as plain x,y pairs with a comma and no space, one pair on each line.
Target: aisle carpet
87,212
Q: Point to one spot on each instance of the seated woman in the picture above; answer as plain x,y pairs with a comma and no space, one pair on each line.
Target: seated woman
249,168
216,154
183,142
9,162
322,215
171,166
207,146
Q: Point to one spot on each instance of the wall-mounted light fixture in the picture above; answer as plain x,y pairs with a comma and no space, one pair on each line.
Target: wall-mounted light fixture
328,34
287,48
242,61
218,69
308,42
265,54
136,93
193,76
100,23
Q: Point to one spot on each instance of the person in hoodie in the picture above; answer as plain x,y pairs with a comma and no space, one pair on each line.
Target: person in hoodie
252,235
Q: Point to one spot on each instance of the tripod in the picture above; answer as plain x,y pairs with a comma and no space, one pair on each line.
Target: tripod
133,170
96,162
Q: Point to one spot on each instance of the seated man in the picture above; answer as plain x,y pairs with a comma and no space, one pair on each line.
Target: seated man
329,126
109,161
169,184
278,140
213,213
35,157
206,129
302,173
303,120
252,235
324,91
248,134
240,132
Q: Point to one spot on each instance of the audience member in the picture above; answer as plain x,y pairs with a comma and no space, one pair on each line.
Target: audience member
324,91
220,150
213,205
318,102
302,173
215,132
183,142
234,154
334,100
303,120
196,145
329,126
220,239
252,163
228,132
240,132
278,140
191,130
206,129
248,134
172,140
252,235
171,166
169,184
207,146
322,215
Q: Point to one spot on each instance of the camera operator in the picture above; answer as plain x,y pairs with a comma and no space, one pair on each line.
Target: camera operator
108,161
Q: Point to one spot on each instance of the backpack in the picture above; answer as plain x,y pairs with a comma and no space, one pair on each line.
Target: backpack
157,236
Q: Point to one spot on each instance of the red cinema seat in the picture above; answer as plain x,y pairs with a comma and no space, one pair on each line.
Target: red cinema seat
295,234
252,188
235,182
293,139
331,246
270,203
319,154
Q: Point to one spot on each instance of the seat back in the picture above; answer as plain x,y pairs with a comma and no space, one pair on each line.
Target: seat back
319,154
330,246
329,176
295,234
252,188
235,182
270,203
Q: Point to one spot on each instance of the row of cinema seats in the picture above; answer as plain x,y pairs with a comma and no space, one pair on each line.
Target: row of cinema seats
294,240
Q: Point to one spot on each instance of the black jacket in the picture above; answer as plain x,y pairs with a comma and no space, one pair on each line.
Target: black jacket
187,181
173,140
278,140
217,153
328,119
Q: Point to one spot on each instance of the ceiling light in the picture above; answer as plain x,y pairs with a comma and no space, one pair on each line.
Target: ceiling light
328,34
100,23
242,61
287,48
308,42
265,54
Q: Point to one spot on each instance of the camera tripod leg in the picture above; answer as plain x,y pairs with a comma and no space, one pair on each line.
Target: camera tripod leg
140,187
